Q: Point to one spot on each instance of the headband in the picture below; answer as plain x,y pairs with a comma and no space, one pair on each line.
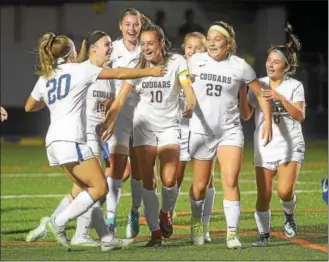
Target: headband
220,29
282,55
93,38
61,60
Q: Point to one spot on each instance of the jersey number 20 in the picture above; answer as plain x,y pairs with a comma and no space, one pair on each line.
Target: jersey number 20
59,88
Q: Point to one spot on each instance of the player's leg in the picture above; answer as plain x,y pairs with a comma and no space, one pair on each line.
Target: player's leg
229,154
209,205
287,176
118,148
265,173
146,152
202,150
168,152
136,185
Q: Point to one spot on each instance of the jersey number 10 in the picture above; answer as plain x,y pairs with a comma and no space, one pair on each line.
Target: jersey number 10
156,96
59,88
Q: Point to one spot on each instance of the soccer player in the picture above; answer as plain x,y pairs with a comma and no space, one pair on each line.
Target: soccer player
62,87
117,150
3,114
215,125
156,126
193,43
284,155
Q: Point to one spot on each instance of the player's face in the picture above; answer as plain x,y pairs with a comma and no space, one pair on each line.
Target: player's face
103,49
130,27
193,45
276,67
151,46
216,45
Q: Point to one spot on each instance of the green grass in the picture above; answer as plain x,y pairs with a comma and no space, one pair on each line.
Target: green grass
24,171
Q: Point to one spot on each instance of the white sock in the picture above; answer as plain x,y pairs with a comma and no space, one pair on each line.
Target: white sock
174,206
197,207
208,205
263,221
113,196
77,207
84,221
151,208
98,222
62,205
232,214
290,206
169,196
136,194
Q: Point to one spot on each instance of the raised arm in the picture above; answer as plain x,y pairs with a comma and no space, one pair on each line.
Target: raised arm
132,73
246,110
256,87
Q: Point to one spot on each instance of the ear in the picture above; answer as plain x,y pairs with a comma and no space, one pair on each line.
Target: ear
287,68
93,48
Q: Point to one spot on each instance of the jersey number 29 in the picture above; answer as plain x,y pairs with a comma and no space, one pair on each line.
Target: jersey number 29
59,88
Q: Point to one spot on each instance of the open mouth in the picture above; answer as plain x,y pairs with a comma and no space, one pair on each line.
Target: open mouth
270,71
148,54
132,34
213,50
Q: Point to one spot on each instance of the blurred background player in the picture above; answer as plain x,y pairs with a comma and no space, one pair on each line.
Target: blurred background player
156,126
194,42
116,148
63,86
215,126
284,155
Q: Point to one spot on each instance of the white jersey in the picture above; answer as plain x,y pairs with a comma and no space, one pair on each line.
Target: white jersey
65,96
216,88
98,93
158,107
286,131
122,57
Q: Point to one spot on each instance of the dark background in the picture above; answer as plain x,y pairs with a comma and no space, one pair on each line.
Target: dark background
310,23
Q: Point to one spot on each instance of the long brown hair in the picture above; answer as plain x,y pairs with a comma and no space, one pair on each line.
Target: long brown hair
289,50
165,50
50,48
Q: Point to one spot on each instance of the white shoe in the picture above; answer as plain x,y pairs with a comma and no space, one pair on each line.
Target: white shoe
232,241
58,232
39,232
116,243
206,234
196,231
83,241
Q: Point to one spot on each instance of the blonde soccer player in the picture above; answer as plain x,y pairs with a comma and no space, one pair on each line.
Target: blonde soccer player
62,87
215,125
284,155
156,126
194,42
99,97
117,148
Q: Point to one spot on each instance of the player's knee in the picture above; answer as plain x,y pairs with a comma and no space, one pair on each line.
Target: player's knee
285,192
199,190
169,181
102,189
149,184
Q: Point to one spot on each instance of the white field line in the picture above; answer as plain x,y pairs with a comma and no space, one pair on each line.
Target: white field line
128,194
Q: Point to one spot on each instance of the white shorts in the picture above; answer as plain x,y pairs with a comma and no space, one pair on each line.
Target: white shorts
94,143
204,147
184,141
63,152
143,137
273,165
120,140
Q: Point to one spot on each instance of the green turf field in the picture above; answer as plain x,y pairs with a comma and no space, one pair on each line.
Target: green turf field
31,190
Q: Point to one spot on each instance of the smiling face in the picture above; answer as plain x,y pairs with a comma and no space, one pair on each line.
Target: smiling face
193,45
102,49
130,27
216,45
151,46
275,65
